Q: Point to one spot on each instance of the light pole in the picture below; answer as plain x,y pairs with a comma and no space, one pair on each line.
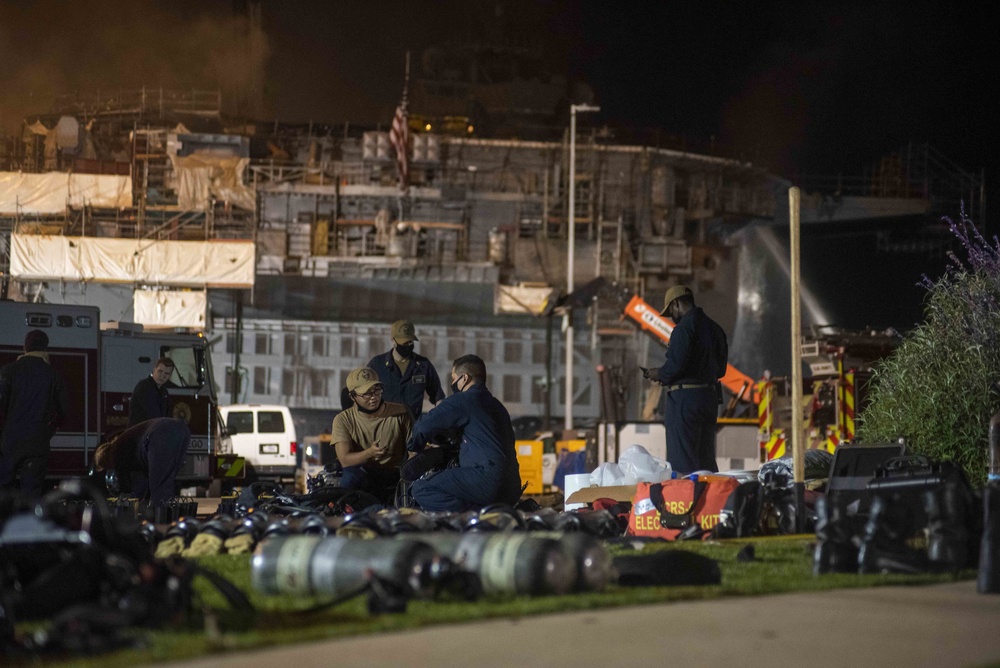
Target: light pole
571,248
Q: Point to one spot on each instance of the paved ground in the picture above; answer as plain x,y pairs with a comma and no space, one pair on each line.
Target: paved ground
940,625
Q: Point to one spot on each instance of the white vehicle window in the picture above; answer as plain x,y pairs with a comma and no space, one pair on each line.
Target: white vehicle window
270,422
240,422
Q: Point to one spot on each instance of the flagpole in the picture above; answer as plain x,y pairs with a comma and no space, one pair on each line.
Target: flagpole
400,134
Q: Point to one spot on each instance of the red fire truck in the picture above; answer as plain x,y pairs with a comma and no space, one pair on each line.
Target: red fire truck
100,365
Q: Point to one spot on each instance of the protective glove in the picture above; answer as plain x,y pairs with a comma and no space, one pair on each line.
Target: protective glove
203,544
169,547
241,544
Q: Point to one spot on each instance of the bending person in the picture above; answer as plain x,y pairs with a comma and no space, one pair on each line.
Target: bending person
147,457
488,470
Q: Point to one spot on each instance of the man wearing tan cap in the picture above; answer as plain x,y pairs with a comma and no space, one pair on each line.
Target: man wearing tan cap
695,360
370,437
406,376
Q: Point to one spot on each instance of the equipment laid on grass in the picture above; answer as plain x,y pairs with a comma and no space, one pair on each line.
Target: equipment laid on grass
309,565
509,563
914,498
680,509
778,504
667,568
593,563
91,575
923,517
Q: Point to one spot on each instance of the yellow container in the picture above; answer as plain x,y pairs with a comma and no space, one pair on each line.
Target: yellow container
529,461
574,445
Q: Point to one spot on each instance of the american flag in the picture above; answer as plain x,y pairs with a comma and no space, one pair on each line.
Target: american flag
399,136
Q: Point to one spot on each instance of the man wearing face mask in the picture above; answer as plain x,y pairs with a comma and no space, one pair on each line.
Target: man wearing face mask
695,361
405,375
487,471
370,437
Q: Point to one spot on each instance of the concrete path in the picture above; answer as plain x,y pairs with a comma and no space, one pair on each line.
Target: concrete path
939,625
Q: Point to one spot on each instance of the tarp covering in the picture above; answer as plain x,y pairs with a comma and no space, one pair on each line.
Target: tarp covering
521,299
52,192
170,308
216,264
201,176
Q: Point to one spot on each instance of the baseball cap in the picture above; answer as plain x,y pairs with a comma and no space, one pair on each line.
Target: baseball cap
673,293
403,331
361,380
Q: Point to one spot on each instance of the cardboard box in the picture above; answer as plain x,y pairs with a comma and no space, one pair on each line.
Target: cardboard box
591,494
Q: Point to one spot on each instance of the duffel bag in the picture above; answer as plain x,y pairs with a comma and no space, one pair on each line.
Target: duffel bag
679,509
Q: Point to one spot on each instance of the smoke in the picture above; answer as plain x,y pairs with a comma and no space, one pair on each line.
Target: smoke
50,48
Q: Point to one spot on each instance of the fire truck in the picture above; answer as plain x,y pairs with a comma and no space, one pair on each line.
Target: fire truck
101,364
838,366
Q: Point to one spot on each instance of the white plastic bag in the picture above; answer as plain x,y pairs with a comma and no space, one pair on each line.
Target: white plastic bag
638,465
606,475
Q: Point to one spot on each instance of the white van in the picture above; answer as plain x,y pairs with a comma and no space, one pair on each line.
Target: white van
264,435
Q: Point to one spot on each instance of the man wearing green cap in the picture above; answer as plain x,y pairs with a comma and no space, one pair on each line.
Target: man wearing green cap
695,361
406,376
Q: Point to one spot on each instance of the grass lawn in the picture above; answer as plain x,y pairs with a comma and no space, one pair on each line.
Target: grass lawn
783,564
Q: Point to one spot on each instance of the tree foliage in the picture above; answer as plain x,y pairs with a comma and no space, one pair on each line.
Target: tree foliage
936,390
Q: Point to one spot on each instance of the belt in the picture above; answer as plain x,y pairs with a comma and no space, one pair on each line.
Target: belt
687,386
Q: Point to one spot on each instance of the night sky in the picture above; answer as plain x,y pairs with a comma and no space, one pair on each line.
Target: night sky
799,88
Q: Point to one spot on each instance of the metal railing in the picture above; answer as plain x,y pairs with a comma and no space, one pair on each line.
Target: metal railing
142,101
916,171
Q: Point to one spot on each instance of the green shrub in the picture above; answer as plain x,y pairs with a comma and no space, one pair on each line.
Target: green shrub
935,391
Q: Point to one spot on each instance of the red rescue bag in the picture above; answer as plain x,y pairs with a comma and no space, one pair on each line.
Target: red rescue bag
671,508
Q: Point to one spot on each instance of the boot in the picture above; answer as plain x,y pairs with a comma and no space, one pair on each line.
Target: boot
948,533
883,545
835,550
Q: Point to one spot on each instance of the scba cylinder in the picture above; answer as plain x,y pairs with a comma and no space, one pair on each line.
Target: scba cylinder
308,565
509,563
593,563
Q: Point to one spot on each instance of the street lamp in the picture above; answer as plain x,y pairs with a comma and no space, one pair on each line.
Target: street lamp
568,317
